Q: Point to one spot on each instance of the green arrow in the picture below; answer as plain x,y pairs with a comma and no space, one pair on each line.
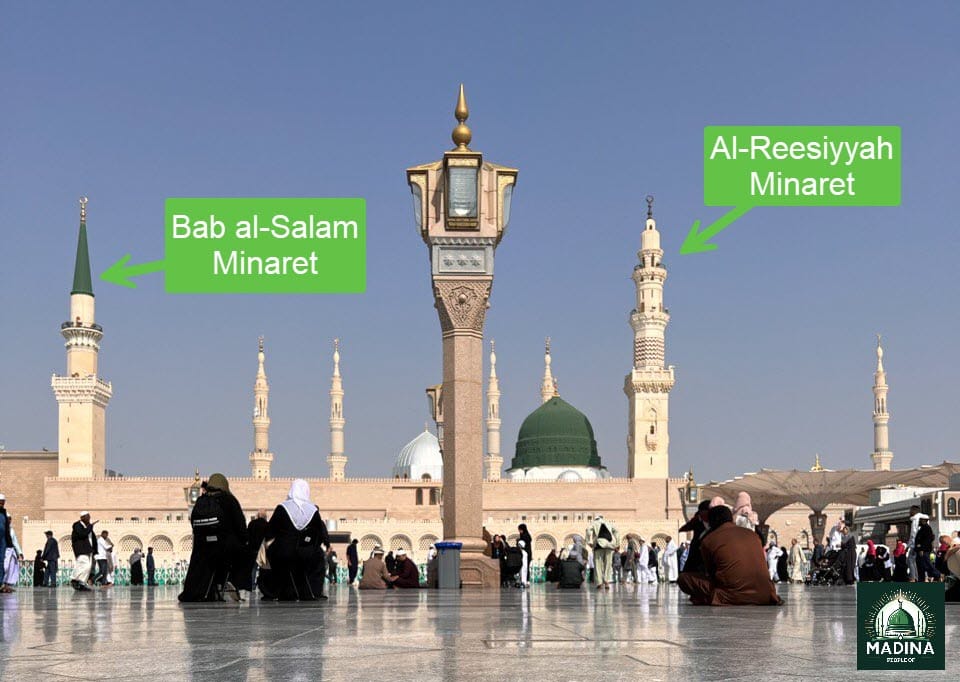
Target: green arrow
699,241
120,273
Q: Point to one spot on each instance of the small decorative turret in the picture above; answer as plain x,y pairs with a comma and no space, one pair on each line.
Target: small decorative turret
882,454
261,458
336,461
548,387
493,461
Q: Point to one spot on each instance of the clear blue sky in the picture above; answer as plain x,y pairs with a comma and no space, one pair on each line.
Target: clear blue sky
772,335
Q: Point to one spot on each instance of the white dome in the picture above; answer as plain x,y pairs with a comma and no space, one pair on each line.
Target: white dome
420,457
555,473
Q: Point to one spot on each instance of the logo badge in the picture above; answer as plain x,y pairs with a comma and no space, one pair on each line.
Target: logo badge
900,626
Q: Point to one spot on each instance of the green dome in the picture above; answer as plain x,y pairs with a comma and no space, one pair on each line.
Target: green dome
901,622
556,434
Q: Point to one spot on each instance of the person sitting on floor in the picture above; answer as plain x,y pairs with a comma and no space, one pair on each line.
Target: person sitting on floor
375,575
219,542
736,572
296,553
406,571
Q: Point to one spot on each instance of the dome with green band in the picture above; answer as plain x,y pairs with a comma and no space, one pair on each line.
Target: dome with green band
556,434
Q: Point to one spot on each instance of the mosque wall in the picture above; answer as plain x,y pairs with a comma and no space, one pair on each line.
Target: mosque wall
21,479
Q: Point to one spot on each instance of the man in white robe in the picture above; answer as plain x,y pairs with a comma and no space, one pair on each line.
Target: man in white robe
670,565
773,553
643,560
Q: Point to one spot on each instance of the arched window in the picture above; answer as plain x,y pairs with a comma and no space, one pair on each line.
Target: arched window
951,506
434,496
425,477
419,496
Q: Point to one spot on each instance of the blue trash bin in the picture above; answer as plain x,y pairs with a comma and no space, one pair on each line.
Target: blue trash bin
448,565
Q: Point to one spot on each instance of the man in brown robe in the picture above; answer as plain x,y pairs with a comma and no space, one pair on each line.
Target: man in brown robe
736,572
375,575
406,571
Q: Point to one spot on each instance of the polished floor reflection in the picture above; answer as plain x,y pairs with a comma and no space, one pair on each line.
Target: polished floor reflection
132,632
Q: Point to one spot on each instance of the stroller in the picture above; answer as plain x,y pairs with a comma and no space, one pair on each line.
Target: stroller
828,571
510,564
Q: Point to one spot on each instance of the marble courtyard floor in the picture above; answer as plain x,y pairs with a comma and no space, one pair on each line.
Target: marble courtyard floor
543,634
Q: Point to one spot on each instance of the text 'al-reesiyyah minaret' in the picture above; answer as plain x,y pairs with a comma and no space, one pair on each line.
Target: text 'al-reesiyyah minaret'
493,461
261,458
337,461
882,454
82,395
649,382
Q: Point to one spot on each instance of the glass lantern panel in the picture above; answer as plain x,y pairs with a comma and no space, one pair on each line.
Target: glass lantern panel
507,198
417,205
462,193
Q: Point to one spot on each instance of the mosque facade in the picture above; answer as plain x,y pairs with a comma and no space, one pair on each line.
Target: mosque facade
555,481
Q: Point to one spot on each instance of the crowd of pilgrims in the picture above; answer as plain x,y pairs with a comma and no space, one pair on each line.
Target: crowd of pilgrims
286,558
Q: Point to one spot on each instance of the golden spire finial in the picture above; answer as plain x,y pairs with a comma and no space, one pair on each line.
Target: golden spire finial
336,345
649,205
196,475
260,343
816,464
83,209
461,134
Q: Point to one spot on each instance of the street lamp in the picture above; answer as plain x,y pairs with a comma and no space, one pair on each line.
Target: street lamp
461,208
192,492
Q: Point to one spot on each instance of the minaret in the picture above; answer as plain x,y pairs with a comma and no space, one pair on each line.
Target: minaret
649,382
493,460
82,396
882,455
548,387
337,460
261,457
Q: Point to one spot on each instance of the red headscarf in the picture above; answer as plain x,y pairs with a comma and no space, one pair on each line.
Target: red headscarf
900,549
871,550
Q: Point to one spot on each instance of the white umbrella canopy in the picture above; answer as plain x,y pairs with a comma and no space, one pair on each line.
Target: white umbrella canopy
772,489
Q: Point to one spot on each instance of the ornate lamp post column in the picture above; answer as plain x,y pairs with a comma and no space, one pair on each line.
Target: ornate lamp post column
461,209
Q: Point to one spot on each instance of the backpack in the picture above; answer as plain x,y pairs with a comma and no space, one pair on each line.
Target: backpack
514,557
207,518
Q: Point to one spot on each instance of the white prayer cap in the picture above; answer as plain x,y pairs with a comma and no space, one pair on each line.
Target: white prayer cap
401,552
84,513
378,550
3,497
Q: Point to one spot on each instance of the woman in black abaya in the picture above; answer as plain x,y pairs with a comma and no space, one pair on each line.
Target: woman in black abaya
297,537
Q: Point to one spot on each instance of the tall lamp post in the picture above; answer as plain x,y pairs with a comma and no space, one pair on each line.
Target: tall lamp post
461,206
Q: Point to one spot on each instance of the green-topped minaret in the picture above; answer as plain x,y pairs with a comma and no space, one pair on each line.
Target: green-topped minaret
82,282
81,394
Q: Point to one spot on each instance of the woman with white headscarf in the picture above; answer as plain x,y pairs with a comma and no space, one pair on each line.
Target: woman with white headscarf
297,536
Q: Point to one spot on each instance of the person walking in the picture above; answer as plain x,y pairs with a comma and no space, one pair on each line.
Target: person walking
151,568
630,562
8,541
670,561
104,559
654,562
83,541
773,555
136,567
797,561
923,546
353,561
603,539
51,557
